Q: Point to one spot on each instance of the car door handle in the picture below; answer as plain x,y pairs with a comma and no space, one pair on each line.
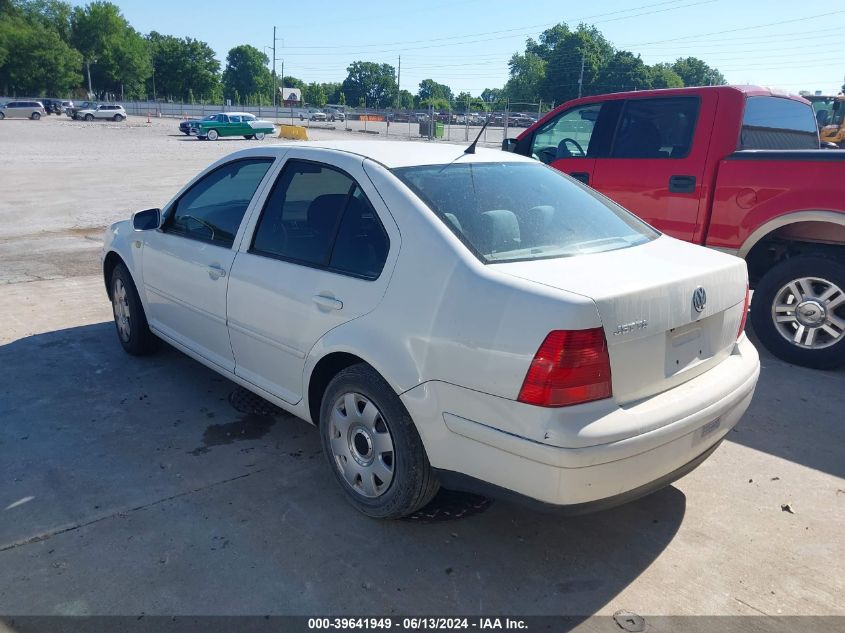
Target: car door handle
583,176
681,184
330,303
216,272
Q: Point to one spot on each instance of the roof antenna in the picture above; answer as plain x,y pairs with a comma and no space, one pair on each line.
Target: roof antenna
471,148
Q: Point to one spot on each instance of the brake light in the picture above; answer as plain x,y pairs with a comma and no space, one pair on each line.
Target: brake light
744,311
571,367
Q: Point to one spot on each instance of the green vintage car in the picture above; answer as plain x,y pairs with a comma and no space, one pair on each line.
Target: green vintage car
231,124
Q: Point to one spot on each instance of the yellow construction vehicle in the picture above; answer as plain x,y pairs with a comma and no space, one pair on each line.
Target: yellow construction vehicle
830,114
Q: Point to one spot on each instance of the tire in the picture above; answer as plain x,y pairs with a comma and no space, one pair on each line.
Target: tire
249,137
212,135
2,116
301,118
35,116
130,321
395,455
815,336
118,117
89,117
258,136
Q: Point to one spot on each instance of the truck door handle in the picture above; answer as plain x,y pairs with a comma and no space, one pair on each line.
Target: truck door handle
216,272
583,176
329,303
681,184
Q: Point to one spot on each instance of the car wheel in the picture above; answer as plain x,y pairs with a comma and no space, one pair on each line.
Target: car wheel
129,317
259,136
212,135
2,116
118,117
798,311
372,446
89,117
35,116
301,118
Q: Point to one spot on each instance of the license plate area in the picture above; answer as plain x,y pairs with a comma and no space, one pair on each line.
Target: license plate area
688,346
710,428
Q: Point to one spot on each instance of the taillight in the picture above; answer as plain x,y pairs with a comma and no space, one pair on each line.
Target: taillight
571,367
744,311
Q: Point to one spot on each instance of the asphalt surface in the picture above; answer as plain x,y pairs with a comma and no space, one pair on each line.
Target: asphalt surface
133,486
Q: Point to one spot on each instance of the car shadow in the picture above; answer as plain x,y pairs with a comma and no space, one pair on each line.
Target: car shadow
796,414
94,437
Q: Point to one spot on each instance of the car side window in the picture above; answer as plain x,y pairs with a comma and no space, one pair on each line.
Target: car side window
569,135
234,119
362,244
213,208
656,128
301,215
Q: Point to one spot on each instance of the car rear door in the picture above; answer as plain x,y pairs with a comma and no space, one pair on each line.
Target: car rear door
655,166
318,255
186,262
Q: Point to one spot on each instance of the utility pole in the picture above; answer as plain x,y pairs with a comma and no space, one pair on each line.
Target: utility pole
399,85
88,66
581,78
274,67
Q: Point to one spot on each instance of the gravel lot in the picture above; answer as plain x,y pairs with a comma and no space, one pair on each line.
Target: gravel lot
132,486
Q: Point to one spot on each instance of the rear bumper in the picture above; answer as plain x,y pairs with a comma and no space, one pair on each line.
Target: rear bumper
470,434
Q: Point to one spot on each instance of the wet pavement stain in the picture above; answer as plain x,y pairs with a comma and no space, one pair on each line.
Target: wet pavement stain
248,427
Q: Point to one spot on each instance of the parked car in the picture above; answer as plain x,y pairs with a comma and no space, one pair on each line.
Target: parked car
53,106
72,111
185,126
733,168
23,110
66,105
312,114
112,112
475,320
232,124
335,115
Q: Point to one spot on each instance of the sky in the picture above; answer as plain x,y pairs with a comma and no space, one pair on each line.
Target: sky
466,43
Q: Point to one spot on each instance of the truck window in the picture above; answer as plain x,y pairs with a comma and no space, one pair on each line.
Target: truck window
656,128
567,136
778,123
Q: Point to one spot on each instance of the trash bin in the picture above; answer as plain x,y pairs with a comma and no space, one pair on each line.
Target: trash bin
439,129
425,128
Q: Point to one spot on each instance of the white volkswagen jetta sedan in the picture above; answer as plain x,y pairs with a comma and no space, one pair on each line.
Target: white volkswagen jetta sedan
476,320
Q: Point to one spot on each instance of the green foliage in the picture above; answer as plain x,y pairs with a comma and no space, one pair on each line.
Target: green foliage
293,82
54,15
341,100
371,81
333,90
34,59
183,67
119,56
438,103
492,95
663,76
314,94
247,74
430,89
527,73
406,100
694,72
624,71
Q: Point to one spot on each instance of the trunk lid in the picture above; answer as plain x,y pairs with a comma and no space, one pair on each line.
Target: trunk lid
656,337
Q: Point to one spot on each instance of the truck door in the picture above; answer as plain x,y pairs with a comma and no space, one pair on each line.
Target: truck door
655,166
572,140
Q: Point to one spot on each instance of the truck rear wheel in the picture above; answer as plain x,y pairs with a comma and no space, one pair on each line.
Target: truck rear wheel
798,311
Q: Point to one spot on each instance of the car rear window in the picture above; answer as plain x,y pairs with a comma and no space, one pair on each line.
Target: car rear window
522,211
778,123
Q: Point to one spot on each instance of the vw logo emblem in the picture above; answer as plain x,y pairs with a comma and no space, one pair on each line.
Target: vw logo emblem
699,299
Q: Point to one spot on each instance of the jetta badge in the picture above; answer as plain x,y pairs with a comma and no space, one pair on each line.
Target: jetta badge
699,299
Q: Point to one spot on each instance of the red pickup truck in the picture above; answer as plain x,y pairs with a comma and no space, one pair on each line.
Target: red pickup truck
736,168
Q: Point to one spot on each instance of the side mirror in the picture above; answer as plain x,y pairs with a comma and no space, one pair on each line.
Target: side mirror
146,220
509,145
828,145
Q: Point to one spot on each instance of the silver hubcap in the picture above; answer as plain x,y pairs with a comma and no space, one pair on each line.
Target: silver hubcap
120,305
260,136
361,445
212,134
805,312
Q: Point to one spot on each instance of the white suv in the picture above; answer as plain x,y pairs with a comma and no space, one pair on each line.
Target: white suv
113,112
477,320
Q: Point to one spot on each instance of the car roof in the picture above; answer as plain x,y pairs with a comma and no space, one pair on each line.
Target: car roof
393,154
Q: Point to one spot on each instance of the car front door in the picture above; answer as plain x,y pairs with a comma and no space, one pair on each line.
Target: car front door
572,140
655,167
186,262
319,255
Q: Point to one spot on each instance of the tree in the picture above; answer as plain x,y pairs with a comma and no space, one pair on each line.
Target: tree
662,76
372,82
333,90
406,100
492,95
246,75
694,72
564,62
119,57
53,15
314,94
624,71
35,59
527,72
430,89
183,66
293,82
